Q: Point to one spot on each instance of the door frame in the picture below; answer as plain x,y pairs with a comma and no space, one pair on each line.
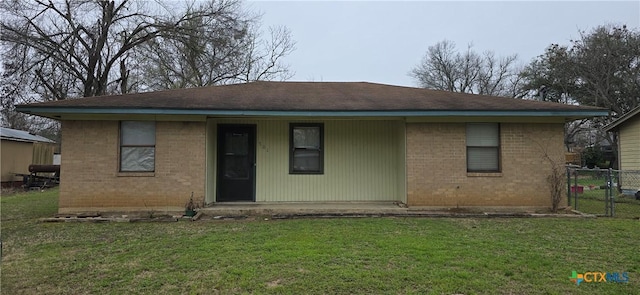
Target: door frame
252,146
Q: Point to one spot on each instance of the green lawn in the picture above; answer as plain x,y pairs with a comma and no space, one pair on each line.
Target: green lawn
321,256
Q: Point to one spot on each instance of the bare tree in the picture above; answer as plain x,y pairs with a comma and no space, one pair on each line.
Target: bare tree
92,47
206,53
263,62
73,48
13,91
65,49
221,50
497,75
444,68
601,68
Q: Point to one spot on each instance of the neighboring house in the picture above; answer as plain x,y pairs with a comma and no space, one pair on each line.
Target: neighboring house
306,142
628,129
19,150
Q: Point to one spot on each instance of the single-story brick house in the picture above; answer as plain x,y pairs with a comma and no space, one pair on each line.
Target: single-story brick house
306,142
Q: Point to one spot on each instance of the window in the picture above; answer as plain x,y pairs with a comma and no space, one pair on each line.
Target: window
483,147
137,146
306,149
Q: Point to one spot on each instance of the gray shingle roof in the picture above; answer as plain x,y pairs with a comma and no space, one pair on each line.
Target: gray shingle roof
307,96
19,135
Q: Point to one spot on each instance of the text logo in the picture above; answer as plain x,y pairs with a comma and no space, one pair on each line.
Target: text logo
599,277
576,277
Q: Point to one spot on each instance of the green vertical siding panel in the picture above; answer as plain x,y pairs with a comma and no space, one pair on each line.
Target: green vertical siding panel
401,155
210,184
630,144
362,162
360,157
42,153
271,160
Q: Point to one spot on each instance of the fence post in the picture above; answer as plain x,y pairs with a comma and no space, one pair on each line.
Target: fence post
607,194
568,185
575,190
611,188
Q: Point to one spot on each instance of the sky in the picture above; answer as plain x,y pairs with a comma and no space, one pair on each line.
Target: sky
381,41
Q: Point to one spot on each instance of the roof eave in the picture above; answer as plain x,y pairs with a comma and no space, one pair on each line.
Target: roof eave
26,140
615,124
57,112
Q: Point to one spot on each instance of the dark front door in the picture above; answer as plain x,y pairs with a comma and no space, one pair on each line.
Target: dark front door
236,163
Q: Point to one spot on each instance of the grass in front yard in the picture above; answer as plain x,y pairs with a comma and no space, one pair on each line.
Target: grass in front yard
321,256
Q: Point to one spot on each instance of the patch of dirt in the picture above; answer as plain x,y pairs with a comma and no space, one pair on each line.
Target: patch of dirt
463,210
274,284
5,192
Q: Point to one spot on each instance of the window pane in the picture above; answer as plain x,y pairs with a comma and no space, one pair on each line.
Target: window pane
236,143
236,167
482,159
306,154
483,134
138,132
306,160
137,159
306,137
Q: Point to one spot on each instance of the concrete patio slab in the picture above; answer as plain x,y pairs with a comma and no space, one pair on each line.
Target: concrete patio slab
304,208
357,209
286,210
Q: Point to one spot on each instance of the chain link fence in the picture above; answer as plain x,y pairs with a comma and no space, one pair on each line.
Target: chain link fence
604,192
629,182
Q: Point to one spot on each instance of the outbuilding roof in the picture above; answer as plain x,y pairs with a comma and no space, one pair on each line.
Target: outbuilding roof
615,125
19,135
308,99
